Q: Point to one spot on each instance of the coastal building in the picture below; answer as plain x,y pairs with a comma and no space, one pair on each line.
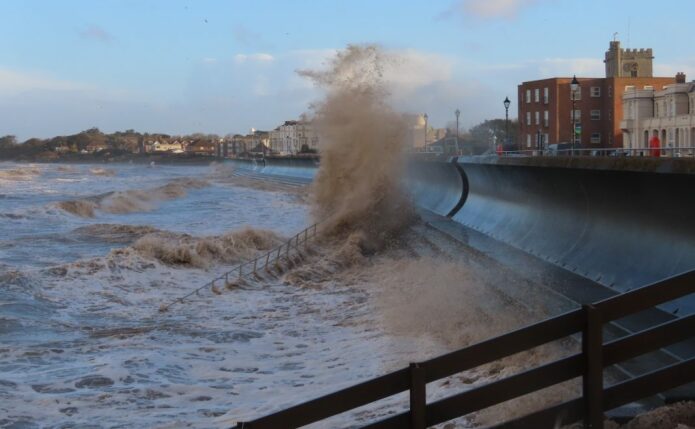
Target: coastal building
660,118
294,137
549,113
166,146
94,147
202,147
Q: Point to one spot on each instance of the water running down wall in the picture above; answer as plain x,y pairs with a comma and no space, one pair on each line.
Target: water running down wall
621,223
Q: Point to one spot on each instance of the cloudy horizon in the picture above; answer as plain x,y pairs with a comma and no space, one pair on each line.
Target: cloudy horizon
181,67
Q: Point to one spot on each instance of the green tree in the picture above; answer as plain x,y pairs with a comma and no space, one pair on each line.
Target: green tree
482,136
8,141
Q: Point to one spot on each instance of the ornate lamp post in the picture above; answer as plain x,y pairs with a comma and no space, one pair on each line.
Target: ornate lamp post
457,113
574,86
506,119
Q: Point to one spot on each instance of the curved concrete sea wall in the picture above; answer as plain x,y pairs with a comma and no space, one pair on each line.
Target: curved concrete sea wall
622,223
439,186
304,168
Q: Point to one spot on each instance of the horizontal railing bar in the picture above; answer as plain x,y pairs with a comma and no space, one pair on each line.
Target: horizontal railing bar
648,340
500,347
504,345
505,389
649,384
498,391
646,297
335,403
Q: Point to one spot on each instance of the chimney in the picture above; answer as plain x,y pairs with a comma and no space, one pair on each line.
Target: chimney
680,77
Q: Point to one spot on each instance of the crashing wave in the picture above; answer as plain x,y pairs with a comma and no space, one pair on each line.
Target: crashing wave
122,202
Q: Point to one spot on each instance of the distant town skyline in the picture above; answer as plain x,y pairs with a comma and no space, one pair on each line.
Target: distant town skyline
221,67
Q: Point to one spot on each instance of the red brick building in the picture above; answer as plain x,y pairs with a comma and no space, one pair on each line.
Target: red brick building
545,106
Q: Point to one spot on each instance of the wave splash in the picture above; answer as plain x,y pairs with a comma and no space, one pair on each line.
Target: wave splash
17,174
357,188
122,202
200,252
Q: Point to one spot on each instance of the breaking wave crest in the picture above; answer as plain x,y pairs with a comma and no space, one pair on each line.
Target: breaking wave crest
25,173
115,233
200,252
357,187
102,172
121,202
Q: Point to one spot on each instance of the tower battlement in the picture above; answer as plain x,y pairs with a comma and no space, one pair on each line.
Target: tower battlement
628,62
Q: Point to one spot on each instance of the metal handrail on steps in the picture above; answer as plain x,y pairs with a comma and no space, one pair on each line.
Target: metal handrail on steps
251,267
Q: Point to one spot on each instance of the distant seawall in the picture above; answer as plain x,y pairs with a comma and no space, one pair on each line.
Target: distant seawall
622,222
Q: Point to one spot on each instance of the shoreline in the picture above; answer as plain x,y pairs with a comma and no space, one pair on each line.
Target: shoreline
165,159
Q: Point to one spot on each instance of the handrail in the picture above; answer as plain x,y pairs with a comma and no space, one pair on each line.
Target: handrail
274,255
589,364
668,152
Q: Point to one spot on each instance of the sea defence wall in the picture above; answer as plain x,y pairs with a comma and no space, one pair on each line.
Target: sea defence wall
303,169
623,223
438,186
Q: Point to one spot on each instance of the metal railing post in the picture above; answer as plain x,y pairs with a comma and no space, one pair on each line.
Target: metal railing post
418,397
592,348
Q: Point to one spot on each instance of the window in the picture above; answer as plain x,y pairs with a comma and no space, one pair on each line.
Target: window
595,91
537,95
577,116
528,118
629,88
595,137
546,95
545,139
648,87
546,118
538,118
528,140
528,95
610,91
576,95
595,115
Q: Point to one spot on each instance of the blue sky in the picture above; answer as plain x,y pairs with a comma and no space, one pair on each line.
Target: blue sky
226,66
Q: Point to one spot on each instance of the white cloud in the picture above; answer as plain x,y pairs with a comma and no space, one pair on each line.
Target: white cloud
14,82
258,58
564,67
670,70
488,9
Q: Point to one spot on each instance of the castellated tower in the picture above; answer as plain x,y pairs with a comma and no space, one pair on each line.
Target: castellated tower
628,62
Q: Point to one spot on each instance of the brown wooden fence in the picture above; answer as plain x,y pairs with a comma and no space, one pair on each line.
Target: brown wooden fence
589,364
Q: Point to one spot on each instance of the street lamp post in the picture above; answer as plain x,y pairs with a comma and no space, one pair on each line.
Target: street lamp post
426,148
457,113
506,119
574,86
539,142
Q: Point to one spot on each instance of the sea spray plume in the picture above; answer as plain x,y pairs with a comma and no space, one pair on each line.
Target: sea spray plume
357,187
